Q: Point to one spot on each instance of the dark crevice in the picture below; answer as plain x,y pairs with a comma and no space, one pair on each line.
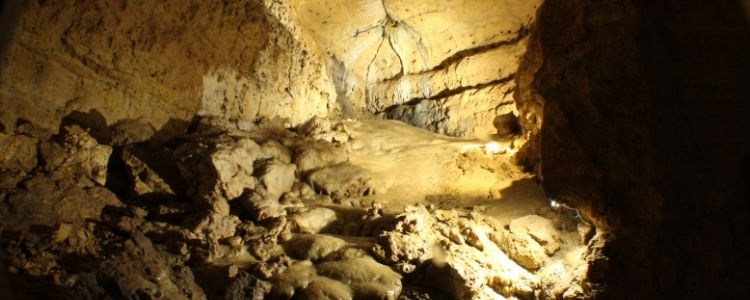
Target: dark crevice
458,56
449,92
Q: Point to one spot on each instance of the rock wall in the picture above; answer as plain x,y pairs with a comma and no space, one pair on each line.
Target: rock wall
156,61
447,67
643,108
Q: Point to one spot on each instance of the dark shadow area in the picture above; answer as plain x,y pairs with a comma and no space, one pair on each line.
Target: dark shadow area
645,118
697,55
10,11
93,121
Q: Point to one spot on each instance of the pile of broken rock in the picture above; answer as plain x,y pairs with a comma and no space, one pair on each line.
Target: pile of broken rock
234,212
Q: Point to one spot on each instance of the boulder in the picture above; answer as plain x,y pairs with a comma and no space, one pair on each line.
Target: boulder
313,220
342,180
319,154
542,230
314,246
17,158
223,163
367,278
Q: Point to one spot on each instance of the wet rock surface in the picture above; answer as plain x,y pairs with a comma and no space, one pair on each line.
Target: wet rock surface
261,212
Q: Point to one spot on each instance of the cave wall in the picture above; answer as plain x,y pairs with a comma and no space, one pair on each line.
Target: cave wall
447,67
644,108
159,60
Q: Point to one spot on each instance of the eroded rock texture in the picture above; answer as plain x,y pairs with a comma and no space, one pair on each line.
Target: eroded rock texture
446,67
158,61
245,221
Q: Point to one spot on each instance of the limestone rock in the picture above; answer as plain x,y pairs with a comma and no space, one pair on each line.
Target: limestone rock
342,180
262,205
277,177
247,286
322,129
216,226
318,155
542,230
17,158
323,288
314,247
43,201
367,278
79,157
274,149
139,270
221,163
296,277
313,220
131,131
144,180
404,251
522,249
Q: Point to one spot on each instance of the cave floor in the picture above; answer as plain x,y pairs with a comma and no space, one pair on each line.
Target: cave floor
413,166
331,210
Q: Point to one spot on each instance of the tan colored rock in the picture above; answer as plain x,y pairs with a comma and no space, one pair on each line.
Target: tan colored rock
297,276
221,163
141,61
277,177
43,201
585,233
144,180
313,220
367,278
140,270
131,131
323,288
274,149
542,230
342,181
80,157
523,250
17,158
215,226
318,155
246,286
262,205
313,247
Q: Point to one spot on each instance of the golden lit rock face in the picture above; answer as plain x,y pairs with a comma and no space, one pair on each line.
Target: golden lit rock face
446,67
157,61
285,184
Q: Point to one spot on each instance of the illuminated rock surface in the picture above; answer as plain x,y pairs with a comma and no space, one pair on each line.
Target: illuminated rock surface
380,149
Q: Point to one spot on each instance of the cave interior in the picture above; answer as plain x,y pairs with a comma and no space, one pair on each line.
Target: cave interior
374,149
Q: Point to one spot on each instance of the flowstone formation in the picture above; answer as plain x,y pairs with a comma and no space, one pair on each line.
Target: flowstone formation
228,211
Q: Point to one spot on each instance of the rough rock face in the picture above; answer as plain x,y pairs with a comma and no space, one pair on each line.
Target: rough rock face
422,63
245,223
446,67
643,107
158,61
